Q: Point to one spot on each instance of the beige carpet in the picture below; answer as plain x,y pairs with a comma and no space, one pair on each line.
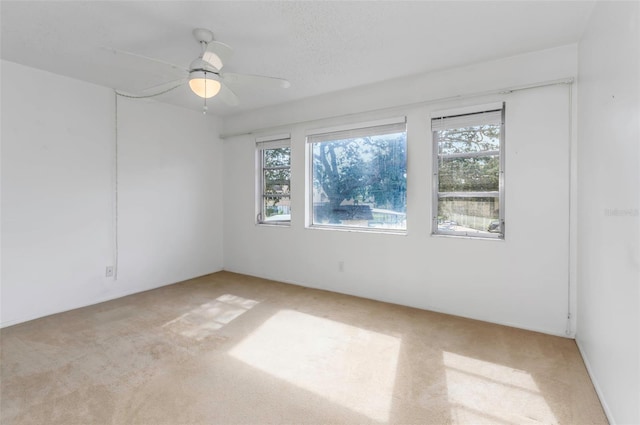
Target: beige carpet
231,349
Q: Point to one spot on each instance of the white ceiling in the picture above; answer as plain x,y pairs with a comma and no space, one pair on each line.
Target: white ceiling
319,46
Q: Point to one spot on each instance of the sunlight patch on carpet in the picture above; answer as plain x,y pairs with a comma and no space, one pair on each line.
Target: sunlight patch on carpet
202,321
483,392
347,365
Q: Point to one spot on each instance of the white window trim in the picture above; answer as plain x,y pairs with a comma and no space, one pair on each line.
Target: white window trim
357,126
465,110
465,116
319,135
263,143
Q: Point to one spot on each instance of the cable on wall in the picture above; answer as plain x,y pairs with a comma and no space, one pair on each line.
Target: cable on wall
116,170
506,90
568,330
130,96
115,193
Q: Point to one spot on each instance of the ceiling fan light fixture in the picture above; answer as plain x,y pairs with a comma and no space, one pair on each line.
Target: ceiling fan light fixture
204,84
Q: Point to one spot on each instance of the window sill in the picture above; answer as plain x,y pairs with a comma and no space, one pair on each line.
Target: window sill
359,230
481,238
285,225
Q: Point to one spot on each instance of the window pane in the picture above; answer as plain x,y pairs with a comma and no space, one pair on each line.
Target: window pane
479,174
469,215
277,157
275,185
480,138
361,182
277,181
468,178
277,208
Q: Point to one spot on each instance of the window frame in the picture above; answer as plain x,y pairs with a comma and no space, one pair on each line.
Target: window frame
436,194
263,144
342,133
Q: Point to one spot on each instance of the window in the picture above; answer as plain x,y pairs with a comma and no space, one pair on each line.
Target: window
468,195
274,157
359,177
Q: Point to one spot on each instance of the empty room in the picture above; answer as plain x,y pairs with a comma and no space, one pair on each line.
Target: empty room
320,212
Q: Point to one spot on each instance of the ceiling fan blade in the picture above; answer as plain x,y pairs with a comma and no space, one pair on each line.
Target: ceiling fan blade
227,95
217,54
255,80
147,58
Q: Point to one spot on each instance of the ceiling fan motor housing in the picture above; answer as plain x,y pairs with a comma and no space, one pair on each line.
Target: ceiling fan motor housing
200,64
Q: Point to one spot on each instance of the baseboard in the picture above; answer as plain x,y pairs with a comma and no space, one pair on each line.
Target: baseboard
110,297
420,307
603,402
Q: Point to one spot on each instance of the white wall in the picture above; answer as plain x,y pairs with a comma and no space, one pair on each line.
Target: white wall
58,194
513,71
609,178
521,281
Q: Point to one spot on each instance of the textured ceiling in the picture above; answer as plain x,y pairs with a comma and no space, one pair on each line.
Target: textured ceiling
320,46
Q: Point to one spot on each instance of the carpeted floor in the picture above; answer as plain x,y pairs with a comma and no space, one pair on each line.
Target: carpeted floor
232,349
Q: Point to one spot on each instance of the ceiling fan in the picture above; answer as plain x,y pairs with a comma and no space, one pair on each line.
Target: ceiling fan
204,73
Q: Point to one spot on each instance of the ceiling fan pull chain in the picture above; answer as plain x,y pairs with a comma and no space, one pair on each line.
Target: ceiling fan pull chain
205,108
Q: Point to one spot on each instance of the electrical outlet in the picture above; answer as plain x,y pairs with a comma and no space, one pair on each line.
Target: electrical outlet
108,272
340,266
